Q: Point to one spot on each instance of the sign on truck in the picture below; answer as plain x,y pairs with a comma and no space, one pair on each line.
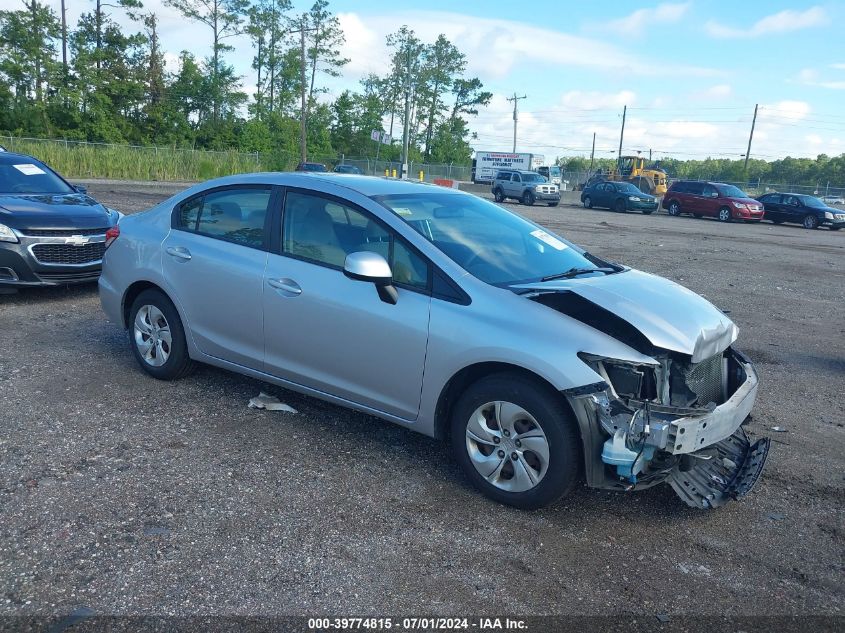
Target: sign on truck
486,164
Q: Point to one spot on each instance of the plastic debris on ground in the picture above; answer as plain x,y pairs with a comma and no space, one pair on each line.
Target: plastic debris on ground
270,403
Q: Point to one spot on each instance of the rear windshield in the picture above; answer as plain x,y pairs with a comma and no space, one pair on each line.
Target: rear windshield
28,176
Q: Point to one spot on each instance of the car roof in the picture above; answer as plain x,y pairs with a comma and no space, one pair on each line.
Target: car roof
369,186
10,158
518,171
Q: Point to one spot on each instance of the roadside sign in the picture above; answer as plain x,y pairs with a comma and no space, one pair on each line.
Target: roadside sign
375,134
385,139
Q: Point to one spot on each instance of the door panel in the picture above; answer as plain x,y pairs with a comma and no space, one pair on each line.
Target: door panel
217,277
328,332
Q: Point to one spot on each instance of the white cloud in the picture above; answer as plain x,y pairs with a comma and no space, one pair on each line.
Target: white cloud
642,19
812,77
782,22
840,66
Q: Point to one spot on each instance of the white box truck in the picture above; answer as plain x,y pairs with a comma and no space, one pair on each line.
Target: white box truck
486,164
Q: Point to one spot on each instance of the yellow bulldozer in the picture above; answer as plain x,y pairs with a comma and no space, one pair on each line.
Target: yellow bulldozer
632,169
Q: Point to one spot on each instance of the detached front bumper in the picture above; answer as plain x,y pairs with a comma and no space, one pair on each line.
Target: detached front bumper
702,452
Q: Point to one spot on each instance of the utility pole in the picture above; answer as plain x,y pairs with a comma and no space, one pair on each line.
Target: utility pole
649,154
64,41
303,143
592,153
621,136
515,99
406,130
750,136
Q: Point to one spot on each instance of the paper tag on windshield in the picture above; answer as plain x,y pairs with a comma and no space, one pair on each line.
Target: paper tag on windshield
402,211
29,169
551,240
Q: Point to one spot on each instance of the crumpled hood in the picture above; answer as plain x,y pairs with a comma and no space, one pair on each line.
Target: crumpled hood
53,211
670,316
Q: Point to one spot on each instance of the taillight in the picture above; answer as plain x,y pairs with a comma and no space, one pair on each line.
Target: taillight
112,234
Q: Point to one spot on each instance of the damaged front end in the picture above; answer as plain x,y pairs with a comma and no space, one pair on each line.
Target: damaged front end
674,421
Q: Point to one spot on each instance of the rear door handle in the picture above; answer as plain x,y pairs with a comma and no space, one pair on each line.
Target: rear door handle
179,252
286,286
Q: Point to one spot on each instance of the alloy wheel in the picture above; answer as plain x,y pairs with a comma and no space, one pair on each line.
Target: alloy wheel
507,446
674,209
725,215
152,335
811,222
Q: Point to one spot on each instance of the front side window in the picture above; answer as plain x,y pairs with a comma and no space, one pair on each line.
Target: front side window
235,215
495,245
325,231
729,191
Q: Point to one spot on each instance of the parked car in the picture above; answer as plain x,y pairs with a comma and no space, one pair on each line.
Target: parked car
833,200
526,186
347,169
711,199
619,196
413,303
51,232
311,167
801,209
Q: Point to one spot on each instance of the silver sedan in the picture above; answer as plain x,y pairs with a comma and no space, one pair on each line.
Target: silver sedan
434,309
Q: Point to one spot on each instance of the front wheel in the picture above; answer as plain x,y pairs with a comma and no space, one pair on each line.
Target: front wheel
157,337
515,441
674,208
588,202
725,215
498,195
619,207
528,198
810,221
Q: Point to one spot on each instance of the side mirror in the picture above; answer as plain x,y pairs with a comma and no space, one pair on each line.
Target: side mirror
372,267
80,188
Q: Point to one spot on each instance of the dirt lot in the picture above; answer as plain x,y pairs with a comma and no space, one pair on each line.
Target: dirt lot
131,496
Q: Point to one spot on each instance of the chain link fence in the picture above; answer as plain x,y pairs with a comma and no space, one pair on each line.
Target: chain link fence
83,159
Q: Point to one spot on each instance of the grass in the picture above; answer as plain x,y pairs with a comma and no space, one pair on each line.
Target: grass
125,162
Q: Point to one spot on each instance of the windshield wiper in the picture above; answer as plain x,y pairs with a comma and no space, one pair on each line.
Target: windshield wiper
574,272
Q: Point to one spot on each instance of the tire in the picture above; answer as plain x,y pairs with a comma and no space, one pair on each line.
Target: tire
150,314
588,202
529,409
725,215
810,222
674,208
619,206
528,198
834,228
553,204
498,195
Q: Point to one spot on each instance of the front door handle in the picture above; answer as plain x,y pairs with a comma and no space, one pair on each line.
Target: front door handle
179,252
287,286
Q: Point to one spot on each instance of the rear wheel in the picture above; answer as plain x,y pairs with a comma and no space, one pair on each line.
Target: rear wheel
588,202
157,337
725,215
810,221
515,440
498,195
674,208
528,198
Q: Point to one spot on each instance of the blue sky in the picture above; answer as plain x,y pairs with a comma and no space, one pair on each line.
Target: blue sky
690,72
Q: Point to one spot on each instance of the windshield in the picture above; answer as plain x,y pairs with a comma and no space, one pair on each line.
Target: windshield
532,178
27,176
813,203
627,187
729,191
493,244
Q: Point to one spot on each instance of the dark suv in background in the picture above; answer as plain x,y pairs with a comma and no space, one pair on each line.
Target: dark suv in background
711,199
802,209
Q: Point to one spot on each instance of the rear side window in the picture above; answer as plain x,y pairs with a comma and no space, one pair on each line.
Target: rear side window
695,188
235,215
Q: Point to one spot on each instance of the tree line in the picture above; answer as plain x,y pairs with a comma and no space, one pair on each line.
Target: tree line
97,82
818,172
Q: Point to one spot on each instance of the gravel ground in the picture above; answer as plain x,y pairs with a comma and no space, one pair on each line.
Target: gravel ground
130,496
